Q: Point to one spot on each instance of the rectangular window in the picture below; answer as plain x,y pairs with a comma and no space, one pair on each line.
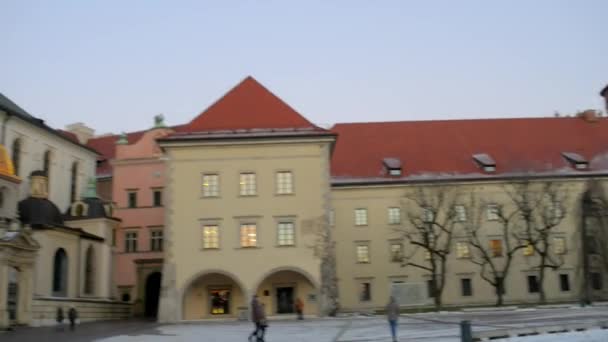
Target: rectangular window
592,247
156,240
461,213
496,248
430,289
249,235
247,184
559,245
284,183
211,237
286,234
363,254
211,185
596,281
428,215
365,292
532,284
130,242
564,282
462,250
158,198
555,213
492,212
396,251
529,250
394,215
467,287
132,199
361,217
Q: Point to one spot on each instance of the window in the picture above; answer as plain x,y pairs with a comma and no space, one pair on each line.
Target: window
430,288
60,273
394,215
132,199
284,183
361,217
529,249
555,213
428,215
492,212
532,284
396,251
496,248
286,234
460,213
158,198
220,301
564,282
131,242
16,155
74,182
363,254
427,254
211,237
46,167
462,250
247,184
592,247
559,245
114,237
156,240
365,292
211,185
249,235
467,287
332,217
596,281
89,279
393,166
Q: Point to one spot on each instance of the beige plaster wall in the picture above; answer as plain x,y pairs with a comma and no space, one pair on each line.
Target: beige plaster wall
50,241
44,310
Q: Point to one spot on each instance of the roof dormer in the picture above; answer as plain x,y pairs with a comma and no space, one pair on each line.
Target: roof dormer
576,160
393,166
486,162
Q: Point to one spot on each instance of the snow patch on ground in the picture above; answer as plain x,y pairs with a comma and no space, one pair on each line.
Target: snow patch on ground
582,336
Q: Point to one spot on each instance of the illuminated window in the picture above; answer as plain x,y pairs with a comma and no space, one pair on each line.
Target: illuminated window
249,236
462,250
284,183
529,250
286,234
394,215
247,184
361,217
211,237
362,253
220,302
211,185
496,248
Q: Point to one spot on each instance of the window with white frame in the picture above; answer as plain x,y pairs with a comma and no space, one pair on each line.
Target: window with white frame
156,240
130,242
363,253
394,215
284,181
361,217
247,184
492,212
428,215
211,237
555,212
211,185
396,251
559,245
462,250
461,213
286,234
249,235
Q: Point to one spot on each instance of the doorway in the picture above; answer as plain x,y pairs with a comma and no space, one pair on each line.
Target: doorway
152,294
285,303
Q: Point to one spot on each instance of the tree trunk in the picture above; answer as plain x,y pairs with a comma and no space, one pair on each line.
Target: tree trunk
541,289
499,297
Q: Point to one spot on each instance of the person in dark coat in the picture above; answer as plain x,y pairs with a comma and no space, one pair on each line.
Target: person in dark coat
59,318
258,316
392,314
72,316
300,308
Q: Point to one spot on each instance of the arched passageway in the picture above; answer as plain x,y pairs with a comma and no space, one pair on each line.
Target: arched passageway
152,294
212,295
279,290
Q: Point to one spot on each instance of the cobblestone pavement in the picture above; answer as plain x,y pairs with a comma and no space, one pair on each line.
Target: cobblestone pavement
429,327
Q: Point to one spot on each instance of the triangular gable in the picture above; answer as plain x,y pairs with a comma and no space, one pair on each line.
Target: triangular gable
21,240
249,105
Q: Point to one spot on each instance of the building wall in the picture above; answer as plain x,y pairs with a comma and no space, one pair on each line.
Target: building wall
44,310
185,259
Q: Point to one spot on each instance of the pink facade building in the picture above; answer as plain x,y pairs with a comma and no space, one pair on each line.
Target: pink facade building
137,191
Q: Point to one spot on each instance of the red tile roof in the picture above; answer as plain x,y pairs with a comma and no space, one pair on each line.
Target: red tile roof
249,105
436,148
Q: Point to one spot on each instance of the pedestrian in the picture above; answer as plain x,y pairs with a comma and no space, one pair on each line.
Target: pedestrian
299,308
72,316
258,316
59,318
392,314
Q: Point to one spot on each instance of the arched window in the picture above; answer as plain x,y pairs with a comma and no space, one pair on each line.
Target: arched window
47,169
89,272
60,273
16,155
74,182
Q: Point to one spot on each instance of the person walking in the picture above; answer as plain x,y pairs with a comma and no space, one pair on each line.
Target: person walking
72,316
299,308
258,316
392,314
59,318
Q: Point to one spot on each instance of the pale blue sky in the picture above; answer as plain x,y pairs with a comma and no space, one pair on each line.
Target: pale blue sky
115,64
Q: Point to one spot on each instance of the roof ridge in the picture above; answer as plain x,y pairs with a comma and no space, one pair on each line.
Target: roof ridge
461,120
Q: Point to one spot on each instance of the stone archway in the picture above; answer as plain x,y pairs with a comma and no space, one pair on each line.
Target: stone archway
213,294
152,294
279,288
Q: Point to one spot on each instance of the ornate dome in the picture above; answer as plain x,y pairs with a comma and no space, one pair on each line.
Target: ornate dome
39,212
90,206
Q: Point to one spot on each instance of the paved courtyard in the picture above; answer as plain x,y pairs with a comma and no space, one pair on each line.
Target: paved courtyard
430,327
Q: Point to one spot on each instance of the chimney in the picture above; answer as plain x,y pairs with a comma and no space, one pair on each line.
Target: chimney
589,115
81,131
604,94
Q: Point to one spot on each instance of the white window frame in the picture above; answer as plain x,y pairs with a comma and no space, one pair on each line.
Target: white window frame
210,185
246,240
211,236
248,184
157,237
492,212
396,255
463,250
361,217
286,238
394,215
559,248
461,213
284,182
131,237
363,253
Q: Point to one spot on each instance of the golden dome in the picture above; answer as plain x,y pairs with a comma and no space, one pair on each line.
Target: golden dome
6,164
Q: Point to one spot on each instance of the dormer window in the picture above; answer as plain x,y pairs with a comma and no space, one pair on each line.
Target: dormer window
484,161
576,160
393,166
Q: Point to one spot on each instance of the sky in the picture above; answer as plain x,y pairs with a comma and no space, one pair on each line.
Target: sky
114,64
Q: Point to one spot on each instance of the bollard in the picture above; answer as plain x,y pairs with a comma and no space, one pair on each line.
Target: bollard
465,331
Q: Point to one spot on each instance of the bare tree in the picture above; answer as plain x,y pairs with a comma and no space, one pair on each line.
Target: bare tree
429,228
493,270
324,248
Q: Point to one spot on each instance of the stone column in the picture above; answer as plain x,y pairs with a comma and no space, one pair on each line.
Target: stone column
24,305
4,319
